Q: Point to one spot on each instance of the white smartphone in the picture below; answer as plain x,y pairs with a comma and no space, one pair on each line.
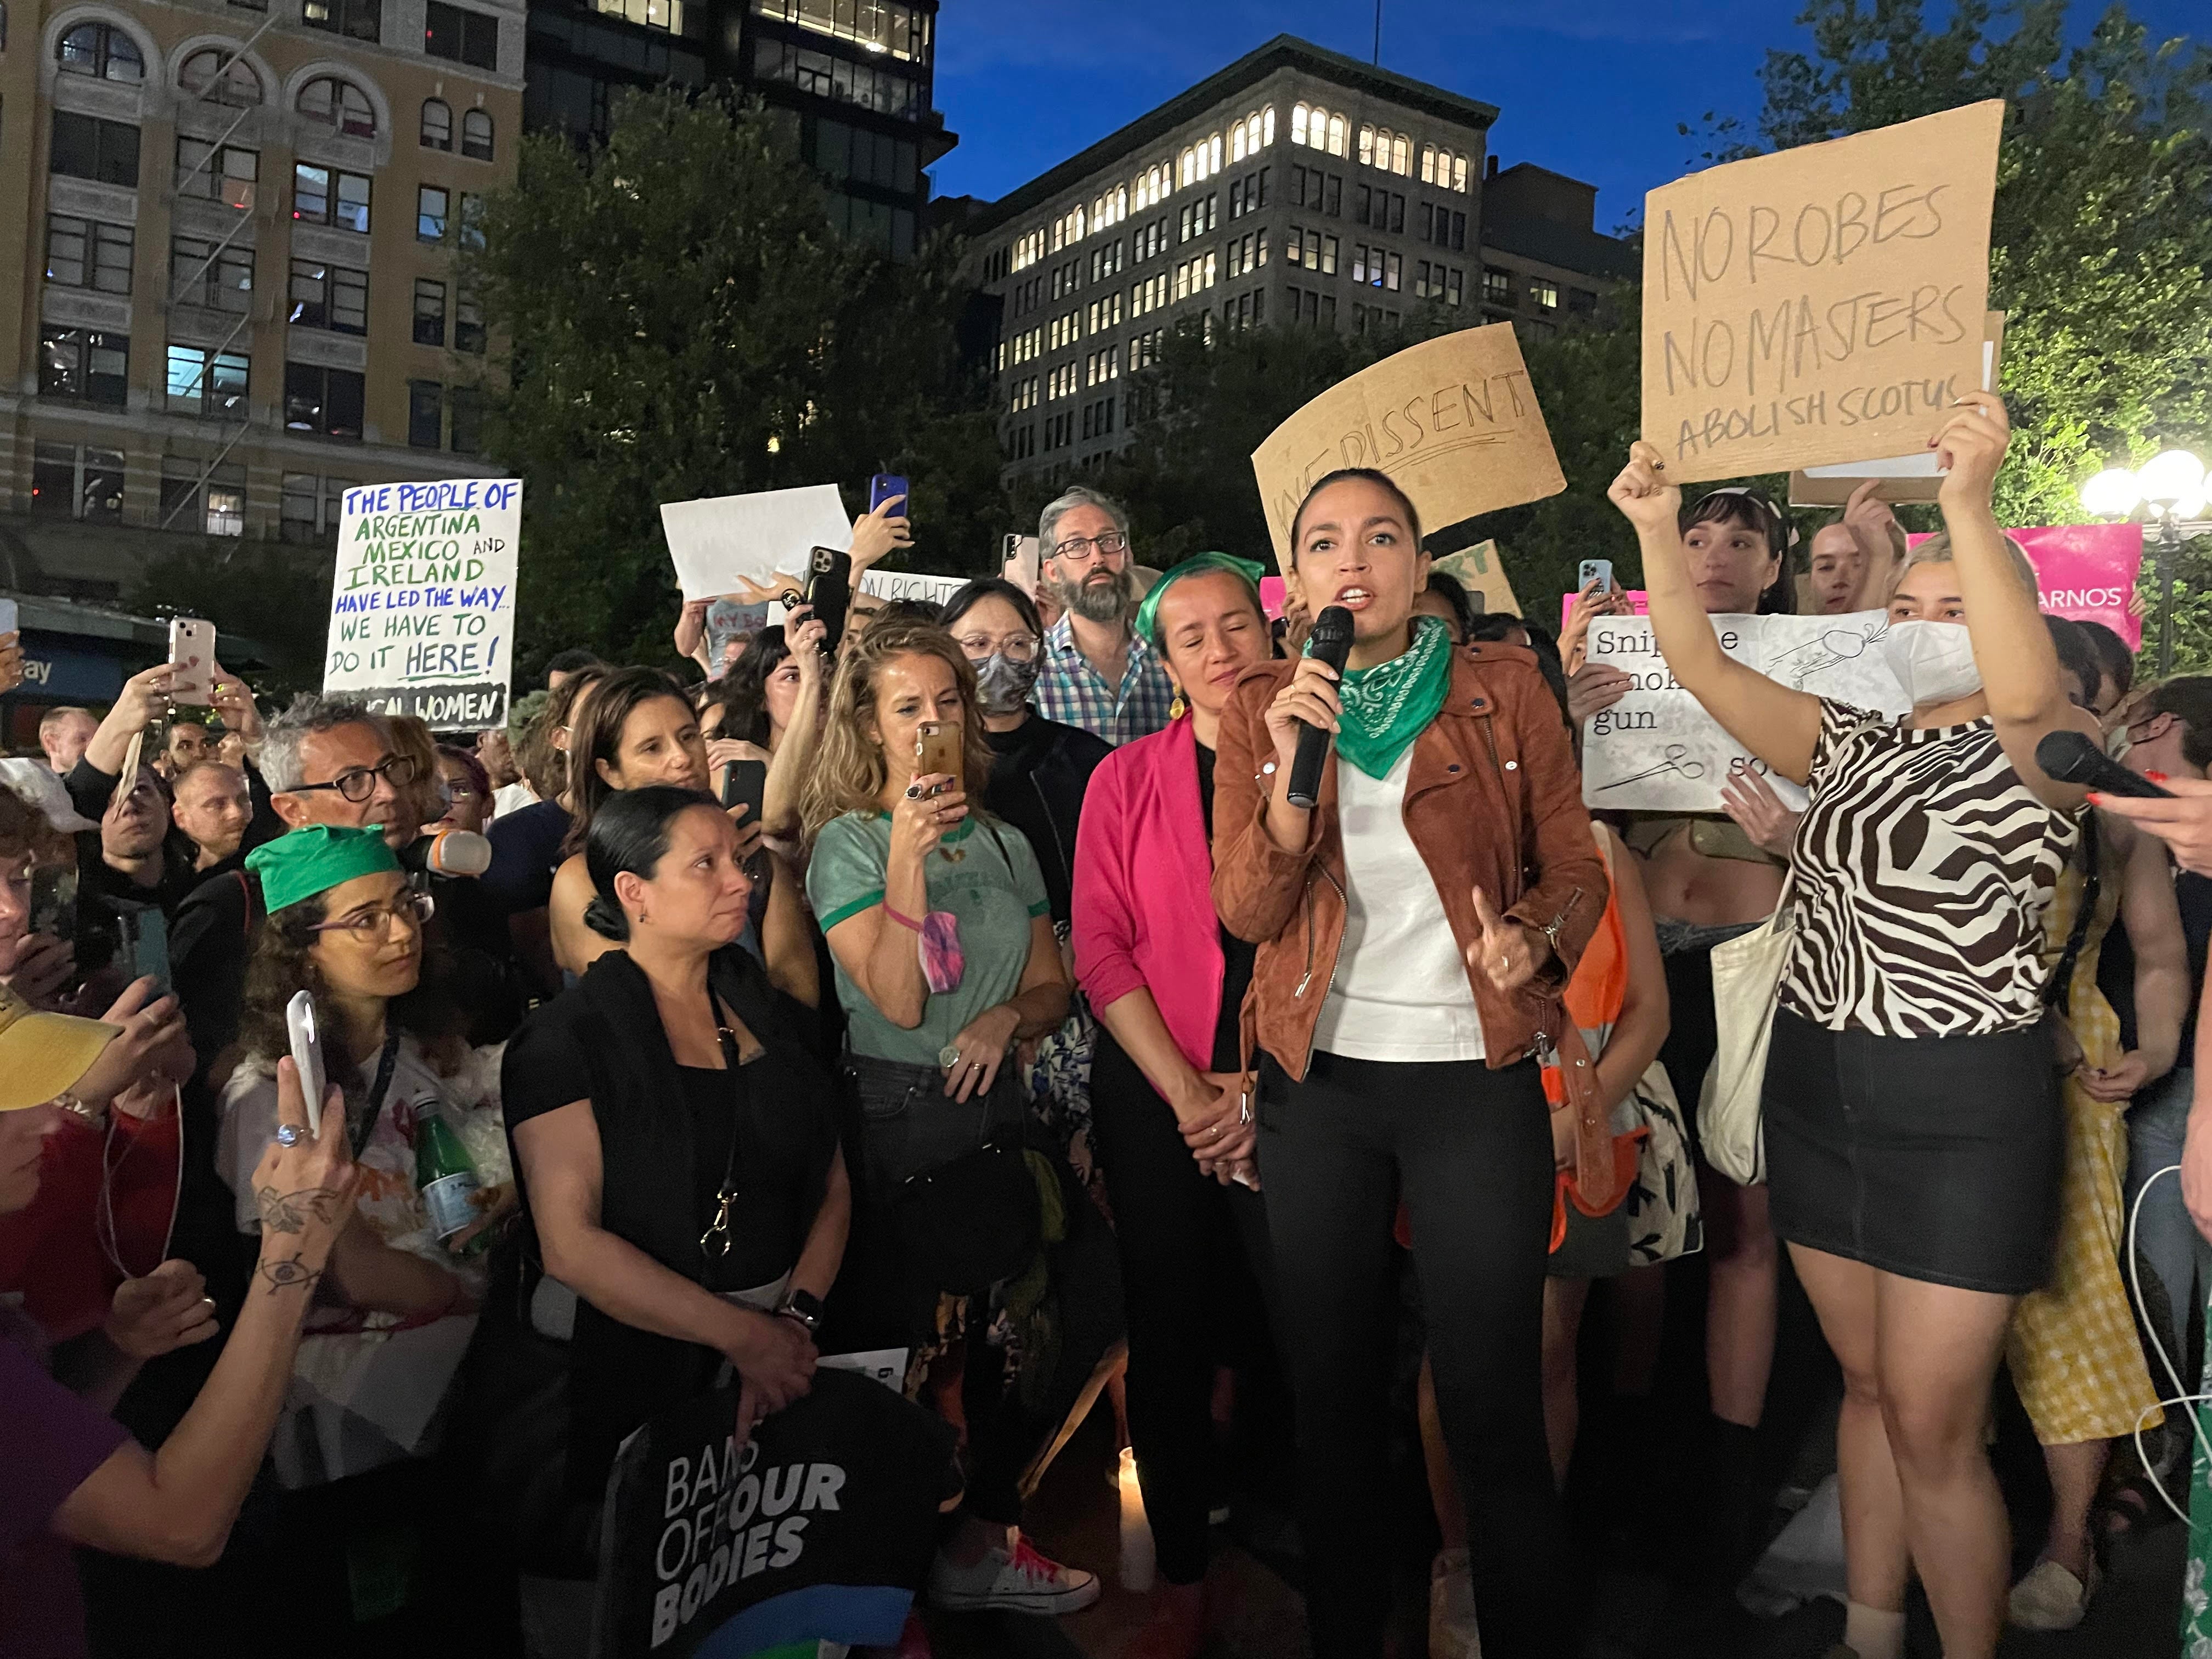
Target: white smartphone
9,615
307,1055
192,654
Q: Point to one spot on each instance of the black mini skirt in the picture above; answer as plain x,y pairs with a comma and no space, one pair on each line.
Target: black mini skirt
1934,1158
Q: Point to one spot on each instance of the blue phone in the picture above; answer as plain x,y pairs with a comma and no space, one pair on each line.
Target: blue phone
886,485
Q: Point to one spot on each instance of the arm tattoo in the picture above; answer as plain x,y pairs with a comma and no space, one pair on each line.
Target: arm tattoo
289,1213
283,1274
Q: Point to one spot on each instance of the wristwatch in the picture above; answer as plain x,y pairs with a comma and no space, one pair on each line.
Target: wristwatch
804,1307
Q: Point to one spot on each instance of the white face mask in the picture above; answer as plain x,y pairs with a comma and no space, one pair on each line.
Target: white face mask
1934,661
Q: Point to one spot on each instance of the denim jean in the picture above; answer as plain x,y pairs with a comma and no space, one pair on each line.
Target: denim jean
2167,1244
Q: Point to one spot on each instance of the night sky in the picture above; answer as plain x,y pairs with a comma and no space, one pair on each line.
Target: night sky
1593,88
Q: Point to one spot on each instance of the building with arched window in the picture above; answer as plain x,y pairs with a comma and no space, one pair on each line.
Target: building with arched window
238,226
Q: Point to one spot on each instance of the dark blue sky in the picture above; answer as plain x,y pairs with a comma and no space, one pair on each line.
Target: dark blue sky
1591,87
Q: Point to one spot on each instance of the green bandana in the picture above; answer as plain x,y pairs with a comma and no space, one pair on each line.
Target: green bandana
315,859
1148,613
1386,707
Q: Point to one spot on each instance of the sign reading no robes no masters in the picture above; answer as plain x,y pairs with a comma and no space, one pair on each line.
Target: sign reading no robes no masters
422,602
1821,304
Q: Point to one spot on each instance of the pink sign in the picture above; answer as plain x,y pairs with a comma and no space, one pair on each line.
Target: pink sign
2087,572
1639,603
1271,597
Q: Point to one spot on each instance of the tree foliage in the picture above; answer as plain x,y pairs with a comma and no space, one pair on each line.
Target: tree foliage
682,322
273,593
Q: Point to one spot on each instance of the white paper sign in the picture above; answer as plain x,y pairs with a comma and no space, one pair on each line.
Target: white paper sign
721,543
883,1365
911,584
1657,749
422,602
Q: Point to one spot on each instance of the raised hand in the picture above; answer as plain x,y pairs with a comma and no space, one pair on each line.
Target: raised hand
1642,493
1971,447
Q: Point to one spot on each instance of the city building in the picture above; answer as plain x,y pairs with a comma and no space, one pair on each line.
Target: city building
1297,187
235,291
856,74
1543,259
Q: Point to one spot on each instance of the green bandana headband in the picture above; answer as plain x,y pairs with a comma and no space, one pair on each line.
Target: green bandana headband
1389,705
1148,613
315,859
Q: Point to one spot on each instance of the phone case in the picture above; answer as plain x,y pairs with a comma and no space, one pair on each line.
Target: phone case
937,751
191,653
307,1055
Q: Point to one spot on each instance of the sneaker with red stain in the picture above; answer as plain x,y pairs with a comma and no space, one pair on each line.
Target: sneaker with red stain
1014,1580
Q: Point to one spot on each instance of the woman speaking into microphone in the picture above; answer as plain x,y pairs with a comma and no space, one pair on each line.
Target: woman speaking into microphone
1414,927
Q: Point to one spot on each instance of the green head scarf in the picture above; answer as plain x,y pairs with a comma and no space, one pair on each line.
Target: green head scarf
315,859
1148,613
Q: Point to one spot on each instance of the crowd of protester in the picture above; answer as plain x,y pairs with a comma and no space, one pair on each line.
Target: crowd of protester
1018,1019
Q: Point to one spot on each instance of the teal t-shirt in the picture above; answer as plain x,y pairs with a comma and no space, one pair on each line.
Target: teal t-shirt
993,886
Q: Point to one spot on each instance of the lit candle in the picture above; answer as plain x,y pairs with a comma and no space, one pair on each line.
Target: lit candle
1136,1531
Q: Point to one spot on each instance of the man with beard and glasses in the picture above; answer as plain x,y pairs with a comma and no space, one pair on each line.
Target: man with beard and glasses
1097,673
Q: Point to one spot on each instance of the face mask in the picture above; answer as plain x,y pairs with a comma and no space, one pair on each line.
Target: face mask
2117,743
1934,661
1002,684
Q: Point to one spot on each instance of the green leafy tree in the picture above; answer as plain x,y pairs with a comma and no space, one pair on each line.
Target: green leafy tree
682,322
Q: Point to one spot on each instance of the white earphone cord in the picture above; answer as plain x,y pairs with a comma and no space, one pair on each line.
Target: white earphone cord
2181,1396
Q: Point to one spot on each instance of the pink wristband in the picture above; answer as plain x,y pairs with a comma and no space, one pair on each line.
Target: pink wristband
903,922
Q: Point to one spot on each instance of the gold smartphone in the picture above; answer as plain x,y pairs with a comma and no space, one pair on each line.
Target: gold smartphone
937,749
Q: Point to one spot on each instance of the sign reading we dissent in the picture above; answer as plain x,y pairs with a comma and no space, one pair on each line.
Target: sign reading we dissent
1819,305
422,600
1452,421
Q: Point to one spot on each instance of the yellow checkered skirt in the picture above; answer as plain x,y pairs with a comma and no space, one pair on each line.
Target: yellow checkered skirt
2076,1359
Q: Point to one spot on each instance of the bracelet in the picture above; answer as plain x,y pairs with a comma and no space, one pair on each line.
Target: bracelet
77,1109
903,922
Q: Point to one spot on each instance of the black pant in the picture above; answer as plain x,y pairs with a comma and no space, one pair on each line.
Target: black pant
1191,1251
1470,1150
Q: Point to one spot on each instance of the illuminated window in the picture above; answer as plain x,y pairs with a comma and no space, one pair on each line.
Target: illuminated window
1268,127
1299,115
1336,131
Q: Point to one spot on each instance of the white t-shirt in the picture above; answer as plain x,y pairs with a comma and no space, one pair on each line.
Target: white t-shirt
1400,991
511,797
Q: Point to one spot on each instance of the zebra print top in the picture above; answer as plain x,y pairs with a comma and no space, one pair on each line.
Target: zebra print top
1919,878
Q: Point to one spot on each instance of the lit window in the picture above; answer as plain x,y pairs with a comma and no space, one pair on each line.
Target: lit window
1336,131
339,104
1544,292
1429,164
85,364
1402,152
1298,113
1268,127
1459,174
1367,146
437,124
1237,142
203,380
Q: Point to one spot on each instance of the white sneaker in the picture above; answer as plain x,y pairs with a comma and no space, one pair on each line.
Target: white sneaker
1452,1631
2051,1597
1019,1580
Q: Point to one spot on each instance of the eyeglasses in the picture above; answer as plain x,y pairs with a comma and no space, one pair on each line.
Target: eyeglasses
1014,647
359,784
1082,547
453,792
368,926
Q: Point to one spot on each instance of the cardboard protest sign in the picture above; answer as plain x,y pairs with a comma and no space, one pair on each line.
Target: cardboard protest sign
1480,569
1913,476
422,601
1818,305
821,1527
1657,749
1453,421
751,545
2087,572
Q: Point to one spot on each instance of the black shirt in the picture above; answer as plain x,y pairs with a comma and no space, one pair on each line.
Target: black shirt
1038,777
2116,964
1238,955
525,851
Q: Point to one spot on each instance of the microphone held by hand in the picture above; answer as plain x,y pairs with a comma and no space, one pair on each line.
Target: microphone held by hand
2070,757
1330,642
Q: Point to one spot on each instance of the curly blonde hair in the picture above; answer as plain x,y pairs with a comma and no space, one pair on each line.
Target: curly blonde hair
849,772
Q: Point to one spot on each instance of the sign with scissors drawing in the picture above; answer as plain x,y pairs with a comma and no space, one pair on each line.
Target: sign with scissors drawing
1657,749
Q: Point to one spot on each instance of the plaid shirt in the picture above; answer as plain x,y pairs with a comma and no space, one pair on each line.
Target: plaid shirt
1070,691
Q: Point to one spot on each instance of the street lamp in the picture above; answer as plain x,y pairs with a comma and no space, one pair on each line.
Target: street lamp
2170,490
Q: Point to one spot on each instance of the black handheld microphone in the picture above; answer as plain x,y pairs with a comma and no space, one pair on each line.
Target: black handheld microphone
2070,757
1331,644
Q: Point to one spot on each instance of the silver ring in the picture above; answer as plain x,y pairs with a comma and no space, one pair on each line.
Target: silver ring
948,1056
289,1134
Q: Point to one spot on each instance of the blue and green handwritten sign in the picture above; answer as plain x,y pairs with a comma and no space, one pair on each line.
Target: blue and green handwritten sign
422,603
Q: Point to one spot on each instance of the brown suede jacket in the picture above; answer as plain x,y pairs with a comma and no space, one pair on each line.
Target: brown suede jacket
1493,800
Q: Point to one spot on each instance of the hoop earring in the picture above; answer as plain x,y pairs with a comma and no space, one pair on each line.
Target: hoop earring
1178,708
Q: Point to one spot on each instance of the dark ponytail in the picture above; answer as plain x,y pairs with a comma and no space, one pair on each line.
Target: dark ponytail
629,833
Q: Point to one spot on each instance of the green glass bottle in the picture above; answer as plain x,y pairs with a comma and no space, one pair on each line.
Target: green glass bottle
447,1177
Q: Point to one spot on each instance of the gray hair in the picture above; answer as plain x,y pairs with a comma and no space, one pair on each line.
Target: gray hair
282,768
1076,495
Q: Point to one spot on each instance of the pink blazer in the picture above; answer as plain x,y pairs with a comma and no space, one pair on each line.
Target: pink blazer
1144,889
